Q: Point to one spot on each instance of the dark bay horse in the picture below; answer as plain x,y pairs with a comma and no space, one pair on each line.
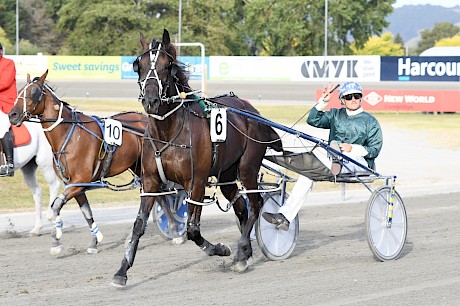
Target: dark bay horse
178,148
83,152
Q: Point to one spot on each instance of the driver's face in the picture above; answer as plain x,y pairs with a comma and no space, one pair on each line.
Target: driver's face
353,104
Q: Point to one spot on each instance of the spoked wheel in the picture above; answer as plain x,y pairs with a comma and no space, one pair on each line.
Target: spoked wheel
179,210
275,244
386,239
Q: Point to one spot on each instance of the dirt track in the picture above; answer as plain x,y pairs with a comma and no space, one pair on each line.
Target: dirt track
331,265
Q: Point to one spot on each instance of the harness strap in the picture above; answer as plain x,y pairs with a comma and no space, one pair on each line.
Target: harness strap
59,120
158,152
161,171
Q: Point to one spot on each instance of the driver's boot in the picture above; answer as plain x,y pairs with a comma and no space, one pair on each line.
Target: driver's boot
8,147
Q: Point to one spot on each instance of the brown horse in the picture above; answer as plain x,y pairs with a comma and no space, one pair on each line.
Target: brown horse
83,157
178,147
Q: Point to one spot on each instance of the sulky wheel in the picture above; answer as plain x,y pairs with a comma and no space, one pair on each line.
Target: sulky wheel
179,210
386,239
276,244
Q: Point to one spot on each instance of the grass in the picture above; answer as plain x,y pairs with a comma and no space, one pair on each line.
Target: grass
438,130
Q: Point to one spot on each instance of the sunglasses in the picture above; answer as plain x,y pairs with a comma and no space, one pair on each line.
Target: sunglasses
354,95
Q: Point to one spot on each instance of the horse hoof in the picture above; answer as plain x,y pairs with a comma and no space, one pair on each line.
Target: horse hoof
56,250
179,240
223,250
241,266
91,250
119,281
34,234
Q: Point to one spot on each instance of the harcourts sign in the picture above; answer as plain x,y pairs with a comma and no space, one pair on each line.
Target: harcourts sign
445,68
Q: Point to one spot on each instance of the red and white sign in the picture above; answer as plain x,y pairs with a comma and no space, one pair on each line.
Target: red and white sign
406,100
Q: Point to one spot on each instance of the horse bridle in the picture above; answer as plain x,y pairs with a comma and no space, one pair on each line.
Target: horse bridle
154,53
27,115
23,95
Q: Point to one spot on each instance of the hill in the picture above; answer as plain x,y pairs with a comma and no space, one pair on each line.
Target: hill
409,20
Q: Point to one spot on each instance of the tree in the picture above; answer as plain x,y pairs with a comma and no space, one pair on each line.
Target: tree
382,45
8,21
112,27
225,27
453,41
439,31
296,27
106,27
211,22
356,21
7,45
398,40
41,35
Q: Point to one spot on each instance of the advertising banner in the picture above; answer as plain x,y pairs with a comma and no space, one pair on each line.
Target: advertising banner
340,68
295,68
84,67
405,100
127,71
35,65
194,66
420,68
252,67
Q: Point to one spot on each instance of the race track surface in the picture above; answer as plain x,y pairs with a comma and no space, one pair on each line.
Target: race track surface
331,264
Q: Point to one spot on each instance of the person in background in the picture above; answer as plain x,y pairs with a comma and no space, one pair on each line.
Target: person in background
353,132
8,96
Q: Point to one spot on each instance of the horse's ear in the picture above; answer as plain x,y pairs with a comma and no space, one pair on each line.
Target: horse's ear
28,78
166,40
43,77
144,42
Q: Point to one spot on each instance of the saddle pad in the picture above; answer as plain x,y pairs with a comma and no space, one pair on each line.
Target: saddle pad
21,135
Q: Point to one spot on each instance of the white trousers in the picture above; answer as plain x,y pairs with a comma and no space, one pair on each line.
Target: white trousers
304,185
4,124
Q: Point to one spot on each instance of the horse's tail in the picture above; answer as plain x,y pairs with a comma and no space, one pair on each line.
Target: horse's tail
275,145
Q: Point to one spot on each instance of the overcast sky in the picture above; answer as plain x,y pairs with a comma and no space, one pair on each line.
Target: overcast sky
447,3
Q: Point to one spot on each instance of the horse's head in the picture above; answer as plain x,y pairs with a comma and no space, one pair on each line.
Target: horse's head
30,101
159,74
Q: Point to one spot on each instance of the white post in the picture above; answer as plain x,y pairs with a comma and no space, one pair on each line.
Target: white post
17,27
325,28
180,26
325,39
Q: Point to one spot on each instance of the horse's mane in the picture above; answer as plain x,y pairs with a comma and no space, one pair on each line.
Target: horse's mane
181,73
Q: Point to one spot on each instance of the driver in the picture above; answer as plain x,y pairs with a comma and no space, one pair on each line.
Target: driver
354,132
8,95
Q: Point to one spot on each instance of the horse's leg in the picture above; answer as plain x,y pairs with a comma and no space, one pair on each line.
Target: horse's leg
29,171
239,205
88,214
193,225
248,177
51,179
56,221
120,278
